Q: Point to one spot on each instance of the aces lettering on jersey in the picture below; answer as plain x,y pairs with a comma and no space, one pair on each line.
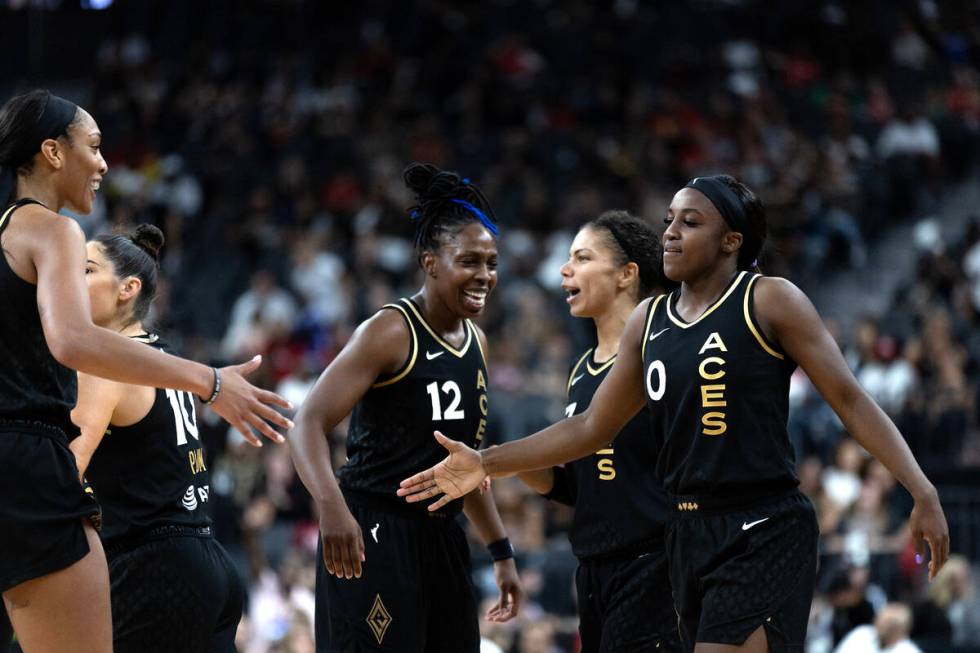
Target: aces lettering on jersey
481,384
605,466
185,423
711,368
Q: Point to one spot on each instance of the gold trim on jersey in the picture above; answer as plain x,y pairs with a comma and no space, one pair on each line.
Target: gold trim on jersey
412,356
748,320
721,300
458,353
568,384
6,214
646,329
476,336
601,368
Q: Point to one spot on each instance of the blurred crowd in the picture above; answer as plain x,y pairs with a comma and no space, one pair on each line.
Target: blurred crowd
267,140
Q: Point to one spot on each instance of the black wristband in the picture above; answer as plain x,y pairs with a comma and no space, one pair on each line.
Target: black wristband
217,387
501,550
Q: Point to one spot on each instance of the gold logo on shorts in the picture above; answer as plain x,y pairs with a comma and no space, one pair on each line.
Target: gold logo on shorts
379,619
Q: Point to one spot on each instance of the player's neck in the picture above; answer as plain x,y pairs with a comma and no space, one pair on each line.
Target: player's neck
445,322
129,330
36,188
609,327
700,293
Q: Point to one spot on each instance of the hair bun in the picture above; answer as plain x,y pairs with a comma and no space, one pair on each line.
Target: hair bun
148,238
430,183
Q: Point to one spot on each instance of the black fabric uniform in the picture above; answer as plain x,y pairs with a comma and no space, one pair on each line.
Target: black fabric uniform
43,501
617,532
415,594
173,587
742,540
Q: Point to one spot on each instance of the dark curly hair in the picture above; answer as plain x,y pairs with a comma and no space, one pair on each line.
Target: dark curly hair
632,240
444,204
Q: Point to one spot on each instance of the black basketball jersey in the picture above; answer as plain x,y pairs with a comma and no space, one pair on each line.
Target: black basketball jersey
152,473
619,503
33,385
439,388
718,392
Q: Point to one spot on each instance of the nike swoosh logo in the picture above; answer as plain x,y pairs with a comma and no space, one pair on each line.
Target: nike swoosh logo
658,333
577,379
374,532
429,355
747,525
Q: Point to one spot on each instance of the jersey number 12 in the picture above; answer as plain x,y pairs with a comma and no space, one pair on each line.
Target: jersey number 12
452,411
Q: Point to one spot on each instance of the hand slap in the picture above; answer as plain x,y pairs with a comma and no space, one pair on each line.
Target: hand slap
458,474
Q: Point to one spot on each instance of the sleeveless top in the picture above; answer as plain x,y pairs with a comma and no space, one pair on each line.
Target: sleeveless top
620,506
440,387
718,393
33,385
152,473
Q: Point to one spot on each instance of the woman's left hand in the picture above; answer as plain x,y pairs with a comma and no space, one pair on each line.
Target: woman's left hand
928,523
511,593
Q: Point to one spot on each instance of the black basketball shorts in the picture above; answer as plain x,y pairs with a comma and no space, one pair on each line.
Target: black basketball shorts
42,503
624,604
733,571
414,594
174,593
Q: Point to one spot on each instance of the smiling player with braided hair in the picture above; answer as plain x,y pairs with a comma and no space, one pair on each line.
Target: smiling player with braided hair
396,577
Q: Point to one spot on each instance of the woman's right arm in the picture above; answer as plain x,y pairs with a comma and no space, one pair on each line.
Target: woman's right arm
379,345
57,249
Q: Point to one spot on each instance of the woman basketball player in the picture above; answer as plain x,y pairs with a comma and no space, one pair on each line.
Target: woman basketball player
173,587
52,568
617,532
396,577
712,361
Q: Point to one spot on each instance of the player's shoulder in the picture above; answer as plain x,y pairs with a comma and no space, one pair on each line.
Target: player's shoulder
389,325
776,293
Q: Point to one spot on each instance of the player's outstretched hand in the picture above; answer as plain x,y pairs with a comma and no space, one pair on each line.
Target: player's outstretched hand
458,474
928,523
343,541
244,406
511,593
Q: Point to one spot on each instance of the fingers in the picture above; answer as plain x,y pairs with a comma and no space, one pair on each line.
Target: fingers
358,554
246,432
273,399
331,557
449,444
346,561
248,367
258,420
416,480
440,503
423,492
938,553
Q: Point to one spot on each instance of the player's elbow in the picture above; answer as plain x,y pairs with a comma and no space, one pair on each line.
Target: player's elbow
69,346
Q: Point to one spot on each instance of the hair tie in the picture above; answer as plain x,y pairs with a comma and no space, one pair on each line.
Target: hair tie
491,227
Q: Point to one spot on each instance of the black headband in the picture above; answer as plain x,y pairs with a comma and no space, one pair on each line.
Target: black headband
58,113
619,241
725,200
